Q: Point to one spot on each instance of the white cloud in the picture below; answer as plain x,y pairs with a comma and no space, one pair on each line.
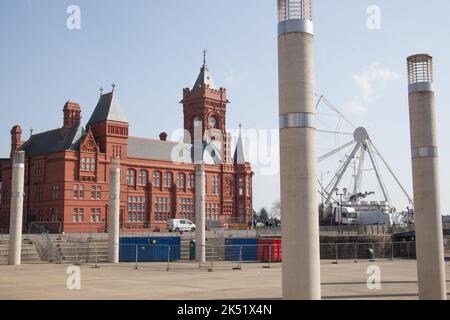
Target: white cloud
370,80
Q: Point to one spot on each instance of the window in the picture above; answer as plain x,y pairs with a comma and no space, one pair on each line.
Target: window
75,191
168,180
39,168
186,208
163,209
241,186
55,192
53,214
78,215
131,177
78,191
181,181
88,164
142,178
39,194
92,215
212,211
96,215
191,183
137,209
156,180
215,185
96,192
117,151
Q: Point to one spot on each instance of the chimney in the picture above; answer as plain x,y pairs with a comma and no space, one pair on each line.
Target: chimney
163,136
16,138
72,115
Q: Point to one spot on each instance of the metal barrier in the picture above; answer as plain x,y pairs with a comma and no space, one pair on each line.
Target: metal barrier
222,257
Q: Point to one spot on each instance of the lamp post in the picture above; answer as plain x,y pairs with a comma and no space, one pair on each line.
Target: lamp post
344,193
322,193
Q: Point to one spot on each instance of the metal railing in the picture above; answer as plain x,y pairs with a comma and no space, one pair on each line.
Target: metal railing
225,257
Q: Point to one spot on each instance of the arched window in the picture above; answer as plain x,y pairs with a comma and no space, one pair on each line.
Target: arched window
168,179
142,178
156,179
241,186
181,181
131,177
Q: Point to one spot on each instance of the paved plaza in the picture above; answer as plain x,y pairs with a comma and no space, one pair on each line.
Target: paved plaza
346,280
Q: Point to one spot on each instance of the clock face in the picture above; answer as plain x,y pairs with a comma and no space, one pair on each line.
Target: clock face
212,122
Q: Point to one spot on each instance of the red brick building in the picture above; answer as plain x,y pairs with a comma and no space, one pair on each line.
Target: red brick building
67,183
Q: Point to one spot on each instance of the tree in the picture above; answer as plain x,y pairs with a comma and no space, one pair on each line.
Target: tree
263,215
255,216
276,209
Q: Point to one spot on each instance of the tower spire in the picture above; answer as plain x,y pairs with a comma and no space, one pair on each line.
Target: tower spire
204,57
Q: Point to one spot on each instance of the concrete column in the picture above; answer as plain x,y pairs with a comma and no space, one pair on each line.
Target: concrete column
114,210
200,214
17,194
300,227
428,215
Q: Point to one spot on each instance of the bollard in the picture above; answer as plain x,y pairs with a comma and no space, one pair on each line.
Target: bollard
392,252
407,248
372,258
136,258
239,267
336,252
270,256
211,268
168,258
77,260
96,257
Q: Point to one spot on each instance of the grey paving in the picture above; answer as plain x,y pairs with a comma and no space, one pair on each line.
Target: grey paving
347,280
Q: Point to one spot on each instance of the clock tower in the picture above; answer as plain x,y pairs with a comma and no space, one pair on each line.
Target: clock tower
206,105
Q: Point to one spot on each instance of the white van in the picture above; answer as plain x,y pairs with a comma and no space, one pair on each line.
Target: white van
180,225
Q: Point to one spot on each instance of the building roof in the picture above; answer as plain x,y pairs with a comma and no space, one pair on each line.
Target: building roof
204,78
53,141
108,108
169,151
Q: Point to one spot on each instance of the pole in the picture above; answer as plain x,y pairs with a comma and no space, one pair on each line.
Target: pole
425,165
168,258
298,162
114,212
136,257
16,214
200,231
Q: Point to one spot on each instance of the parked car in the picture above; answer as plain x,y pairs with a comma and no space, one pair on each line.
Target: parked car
180,225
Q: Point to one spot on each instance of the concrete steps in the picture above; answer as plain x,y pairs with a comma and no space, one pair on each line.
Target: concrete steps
29,253
81,252
211,254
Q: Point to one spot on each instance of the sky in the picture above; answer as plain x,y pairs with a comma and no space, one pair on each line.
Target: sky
153,49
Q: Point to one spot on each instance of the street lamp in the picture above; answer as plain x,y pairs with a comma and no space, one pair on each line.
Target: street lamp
344,193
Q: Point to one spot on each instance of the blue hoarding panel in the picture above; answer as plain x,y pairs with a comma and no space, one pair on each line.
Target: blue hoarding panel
150,249
241,249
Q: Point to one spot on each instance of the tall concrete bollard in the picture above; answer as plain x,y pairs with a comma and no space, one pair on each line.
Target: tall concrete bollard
425,165
114,210
17,195
300,229
200,231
